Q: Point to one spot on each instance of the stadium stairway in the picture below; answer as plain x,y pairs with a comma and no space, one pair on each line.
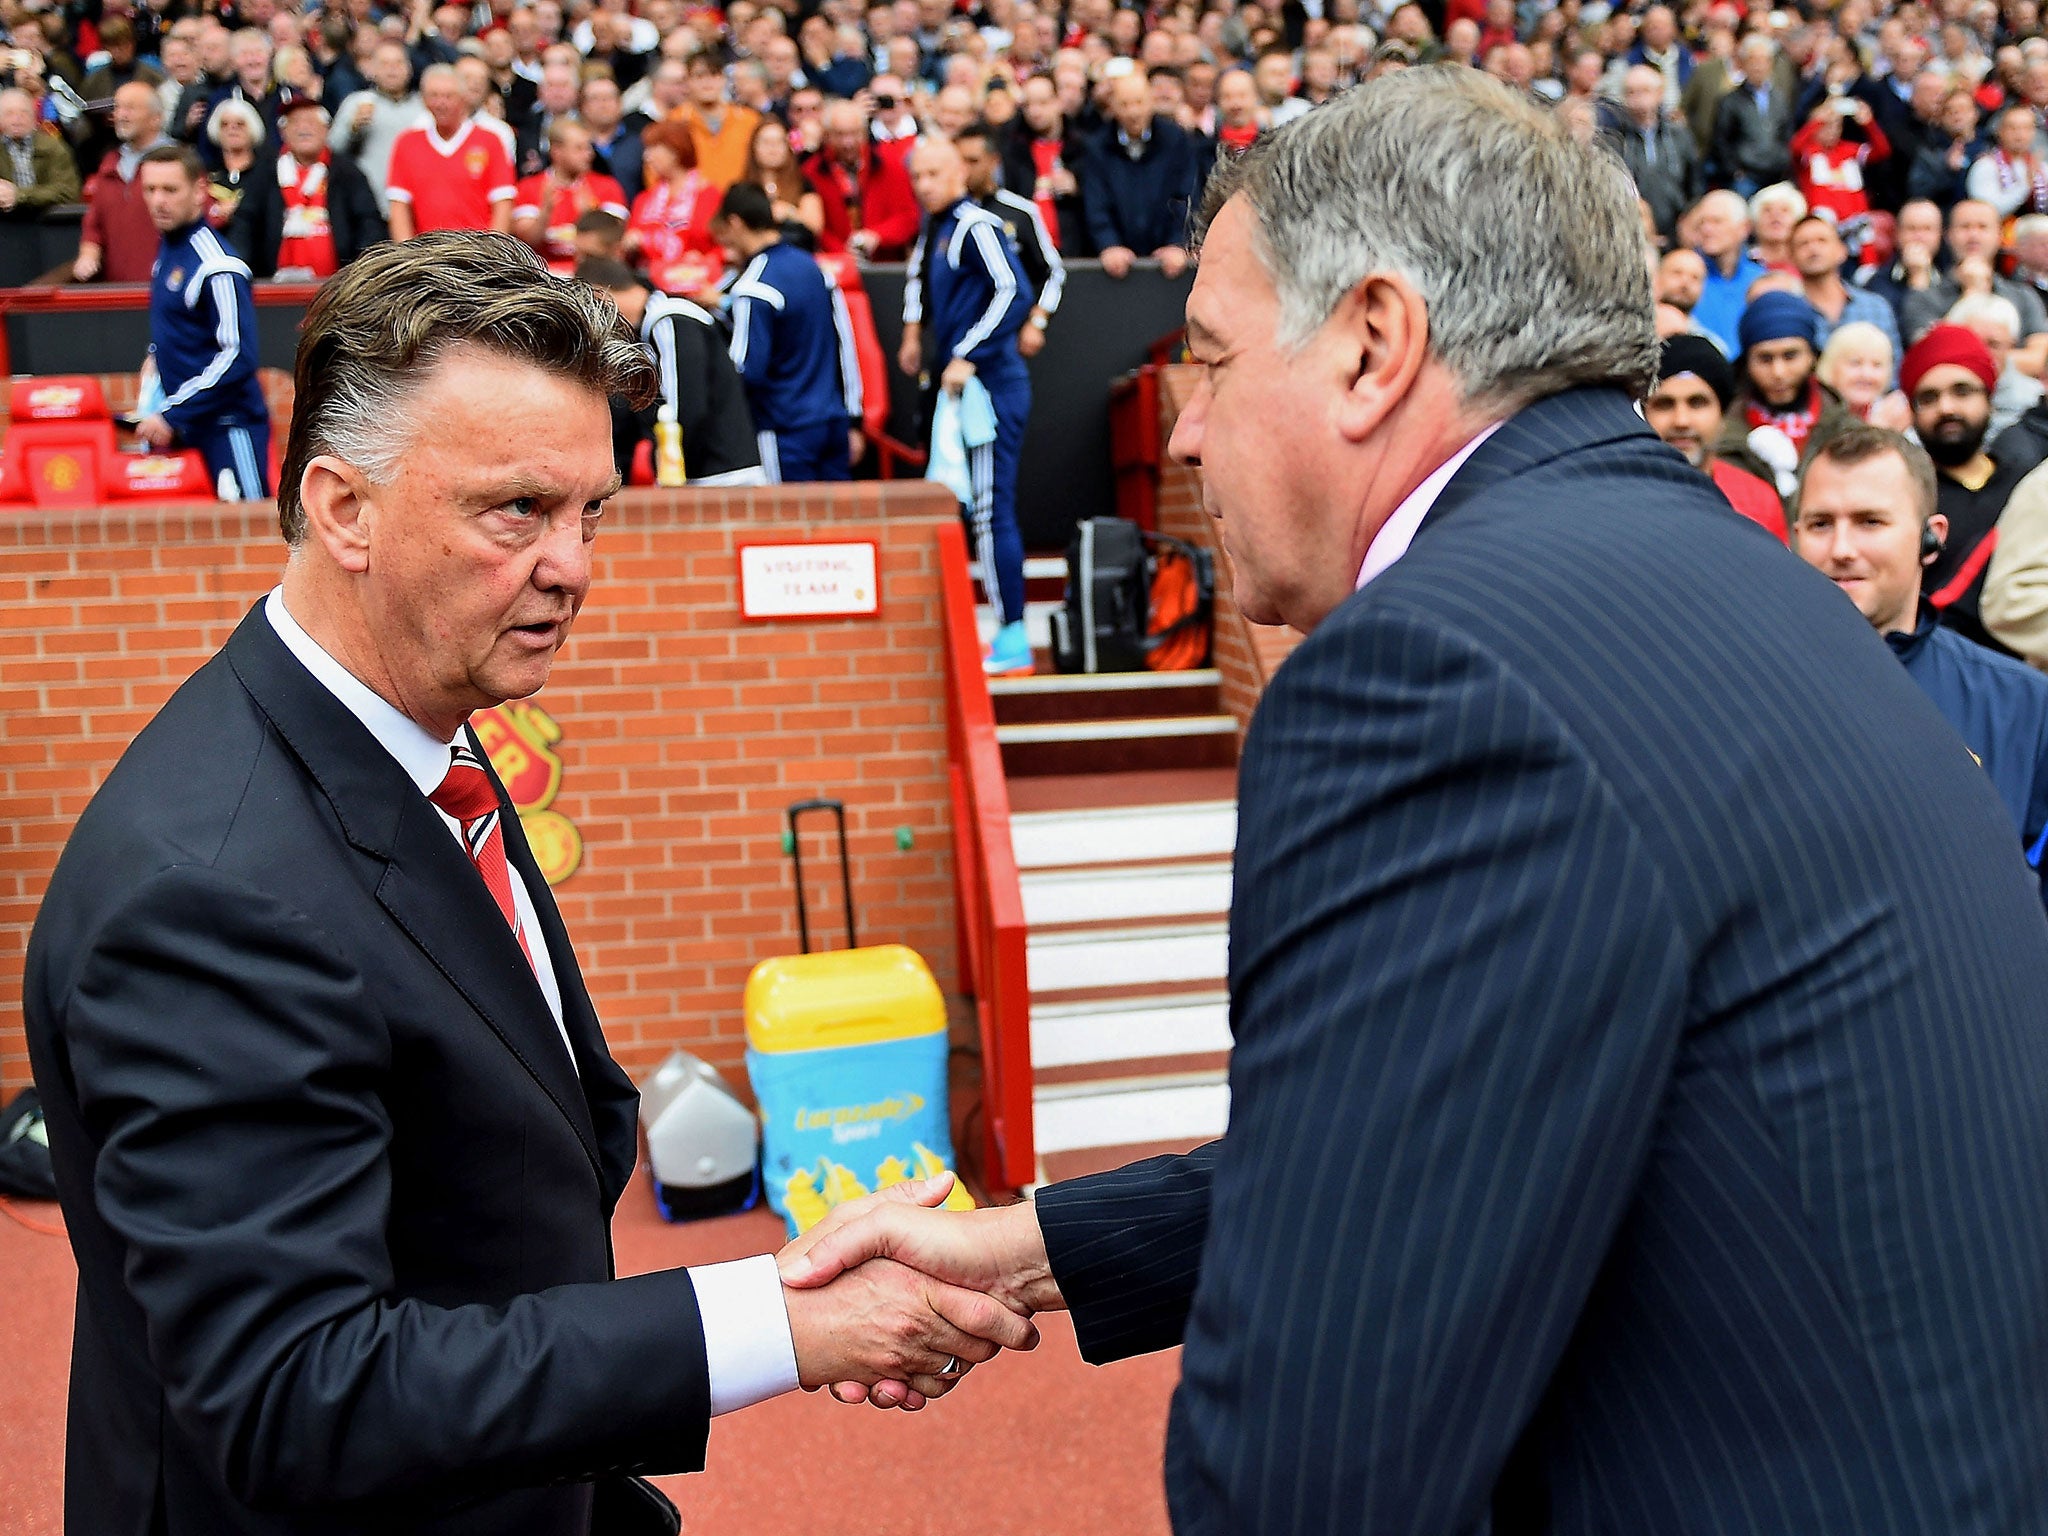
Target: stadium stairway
1123,819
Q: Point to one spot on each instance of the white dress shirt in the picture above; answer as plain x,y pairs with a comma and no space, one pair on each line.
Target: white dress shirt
1398,531
749,1354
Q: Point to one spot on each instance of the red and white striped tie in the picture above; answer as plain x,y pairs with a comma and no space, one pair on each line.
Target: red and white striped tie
467,795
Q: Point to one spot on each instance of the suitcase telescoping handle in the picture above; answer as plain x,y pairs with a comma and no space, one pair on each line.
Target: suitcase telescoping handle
796,859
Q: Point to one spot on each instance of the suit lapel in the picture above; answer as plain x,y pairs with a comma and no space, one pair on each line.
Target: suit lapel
429,887
435,894
607,1095
1545,430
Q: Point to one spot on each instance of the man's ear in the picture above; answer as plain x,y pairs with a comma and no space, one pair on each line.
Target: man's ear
335,499
1380,331
1937,525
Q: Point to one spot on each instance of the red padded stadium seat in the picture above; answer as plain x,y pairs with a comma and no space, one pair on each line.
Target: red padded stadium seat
179,476
59,397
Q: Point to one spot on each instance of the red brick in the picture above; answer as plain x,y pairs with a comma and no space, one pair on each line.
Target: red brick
685,728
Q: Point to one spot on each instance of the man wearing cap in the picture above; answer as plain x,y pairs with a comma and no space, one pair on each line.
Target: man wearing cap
1687,409
1781,413
1867,521
1948,376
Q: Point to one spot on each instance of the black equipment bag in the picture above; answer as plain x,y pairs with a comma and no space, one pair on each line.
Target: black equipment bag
1103,626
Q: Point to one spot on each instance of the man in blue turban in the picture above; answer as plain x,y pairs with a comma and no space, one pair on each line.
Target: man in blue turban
1781,413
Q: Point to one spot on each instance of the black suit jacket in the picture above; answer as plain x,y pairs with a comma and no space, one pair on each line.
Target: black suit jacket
1639,1109
257,229
341,1201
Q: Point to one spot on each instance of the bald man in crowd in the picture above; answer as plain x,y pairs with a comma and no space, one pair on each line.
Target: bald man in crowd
1141,185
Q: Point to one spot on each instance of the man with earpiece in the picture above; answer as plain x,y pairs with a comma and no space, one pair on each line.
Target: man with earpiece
1867,521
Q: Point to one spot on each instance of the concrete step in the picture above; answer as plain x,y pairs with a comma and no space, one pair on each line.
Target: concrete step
1063,898
1143,1037
1084,1128
1106,746
1108,791
1124,834
1054,696
1045,577
1178,954
1037,623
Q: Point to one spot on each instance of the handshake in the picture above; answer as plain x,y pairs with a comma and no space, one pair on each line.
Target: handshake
892,1301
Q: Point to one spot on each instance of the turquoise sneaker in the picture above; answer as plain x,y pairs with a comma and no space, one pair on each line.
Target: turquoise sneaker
1009,655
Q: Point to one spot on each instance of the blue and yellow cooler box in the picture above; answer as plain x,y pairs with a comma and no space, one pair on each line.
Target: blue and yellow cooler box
847,1053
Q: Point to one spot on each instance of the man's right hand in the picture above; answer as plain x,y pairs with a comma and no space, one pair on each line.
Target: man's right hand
1116,261
910,351
881,1313
365,110
997,1252
87,266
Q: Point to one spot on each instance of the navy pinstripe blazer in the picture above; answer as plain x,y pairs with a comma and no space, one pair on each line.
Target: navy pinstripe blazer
1640,1096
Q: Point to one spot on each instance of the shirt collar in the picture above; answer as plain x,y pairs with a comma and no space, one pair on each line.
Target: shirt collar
418,752
1398,531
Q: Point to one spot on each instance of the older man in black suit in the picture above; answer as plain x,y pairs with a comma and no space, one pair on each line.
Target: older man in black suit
336,1134
1629,1130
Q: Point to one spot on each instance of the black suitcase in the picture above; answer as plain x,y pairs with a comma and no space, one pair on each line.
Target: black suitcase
1109,600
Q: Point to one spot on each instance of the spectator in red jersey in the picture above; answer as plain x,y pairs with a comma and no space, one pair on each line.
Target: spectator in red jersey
879,211
1687,409
545,211
118,239
1828,168
447,172
669,232
307,212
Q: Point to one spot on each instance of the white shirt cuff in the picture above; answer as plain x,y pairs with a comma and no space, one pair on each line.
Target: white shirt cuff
748,1351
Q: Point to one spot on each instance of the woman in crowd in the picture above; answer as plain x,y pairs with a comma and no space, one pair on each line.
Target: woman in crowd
668,234
1857,365
771,167
236,132
1772,212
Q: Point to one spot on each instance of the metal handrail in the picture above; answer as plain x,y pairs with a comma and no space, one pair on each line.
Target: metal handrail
989,896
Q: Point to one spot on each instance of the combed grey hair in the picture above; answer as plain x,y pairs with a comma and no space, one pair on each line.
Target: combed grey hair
376,332
1526,246
1994,307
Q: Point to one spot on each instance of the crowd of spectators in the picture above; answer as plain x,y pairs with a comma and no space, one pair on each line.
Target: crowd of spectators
1823,189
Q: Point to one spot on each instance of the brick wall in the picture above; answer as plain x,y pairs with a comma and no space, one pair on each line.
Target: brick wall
1246,653
684,731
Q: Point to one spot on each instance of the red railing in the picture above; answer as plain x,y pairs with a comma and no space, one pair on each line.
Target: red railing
989,898
1134,446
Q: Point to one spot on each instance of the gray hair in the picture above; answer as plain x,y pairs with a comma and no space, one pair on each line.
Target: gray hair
249,117
1525,245
1994,307
376,332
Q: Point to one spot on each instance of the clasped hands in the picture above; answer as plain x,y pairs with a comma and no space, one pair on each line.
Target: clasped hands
891,1300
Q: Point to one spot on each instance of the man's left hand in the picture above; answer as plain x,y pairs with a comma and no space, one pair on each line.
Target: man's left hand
155,431
1030,341
1172,259
957,373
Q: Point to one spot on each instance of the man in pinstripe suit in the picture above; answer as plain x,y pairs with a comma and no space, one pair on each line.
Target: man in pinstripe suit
1631,1132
